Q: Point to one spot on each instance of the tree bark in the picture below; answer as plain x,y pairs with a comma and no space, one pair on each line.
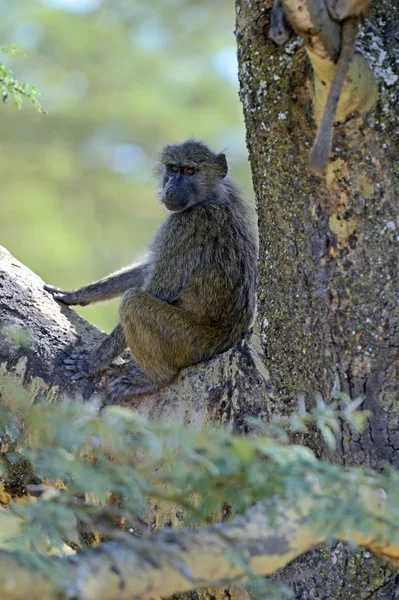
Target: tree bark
328,281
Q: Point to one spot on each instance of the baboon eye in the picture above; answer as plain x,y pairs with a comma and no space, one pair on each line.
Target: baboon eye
173,168
189,171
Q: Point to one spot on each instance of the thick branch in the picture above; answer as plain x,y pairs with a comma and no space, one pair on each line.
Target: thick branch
171,562
37,334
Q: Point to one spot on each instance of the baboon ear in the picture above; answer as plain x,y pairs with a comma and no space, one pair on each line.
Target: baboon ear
222,164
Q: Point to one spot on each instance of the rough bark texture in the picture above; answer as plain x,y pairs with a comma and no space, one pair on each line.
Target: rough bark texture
327,309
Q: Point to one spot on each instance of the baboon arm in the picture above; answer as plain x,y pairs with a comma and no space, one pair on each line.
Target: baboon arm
105,289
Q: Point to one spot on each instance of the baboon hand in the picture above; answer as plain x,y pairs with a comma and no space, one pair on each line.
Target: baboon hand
80,366
65,296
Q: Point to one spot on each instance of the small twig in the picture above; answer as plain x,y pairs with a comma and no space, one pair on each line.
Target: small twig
25,93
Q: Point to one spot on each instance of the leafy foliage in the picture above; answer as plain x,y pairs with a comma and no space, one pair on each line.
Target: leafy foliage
12,87
98,472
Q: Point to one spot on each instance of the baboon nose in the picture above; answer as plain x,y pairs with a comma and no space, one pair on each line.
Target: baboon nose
170,195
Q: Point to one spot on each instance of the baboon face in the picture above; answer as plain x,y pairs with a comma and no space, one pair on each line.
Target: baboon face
181,186
189,174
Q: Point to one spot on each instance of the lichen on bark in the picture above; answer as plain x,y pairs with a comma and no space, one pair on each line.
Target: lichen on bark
328,275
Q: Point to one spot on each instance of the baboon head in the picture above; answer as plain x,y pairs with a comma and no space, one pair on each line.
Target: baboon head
189,174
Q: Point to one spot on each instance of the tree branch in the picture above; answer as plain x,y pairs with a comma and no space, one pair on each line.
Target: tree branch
37,334
171,562
311,20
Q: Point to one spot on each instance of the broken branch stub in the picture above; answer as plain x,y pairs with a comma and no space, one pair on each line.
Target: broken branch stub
322,37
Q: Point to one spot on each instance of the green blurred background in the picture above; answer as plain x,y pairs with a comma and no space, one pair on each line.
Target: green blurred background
119,78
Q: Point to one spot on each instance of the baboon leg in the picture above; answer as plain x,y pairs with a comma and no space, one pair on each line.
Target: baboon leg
162,338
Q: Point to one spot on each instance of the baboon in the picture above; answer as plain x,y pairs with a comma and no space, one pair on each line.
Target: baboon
193,296
350,12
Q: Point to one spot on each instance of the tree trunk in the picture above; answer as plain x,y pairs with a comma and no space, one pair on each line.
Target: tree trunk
328,281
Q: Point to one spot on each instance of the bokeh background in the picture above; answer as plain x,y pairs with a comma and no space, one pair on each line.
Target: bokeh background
119,78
